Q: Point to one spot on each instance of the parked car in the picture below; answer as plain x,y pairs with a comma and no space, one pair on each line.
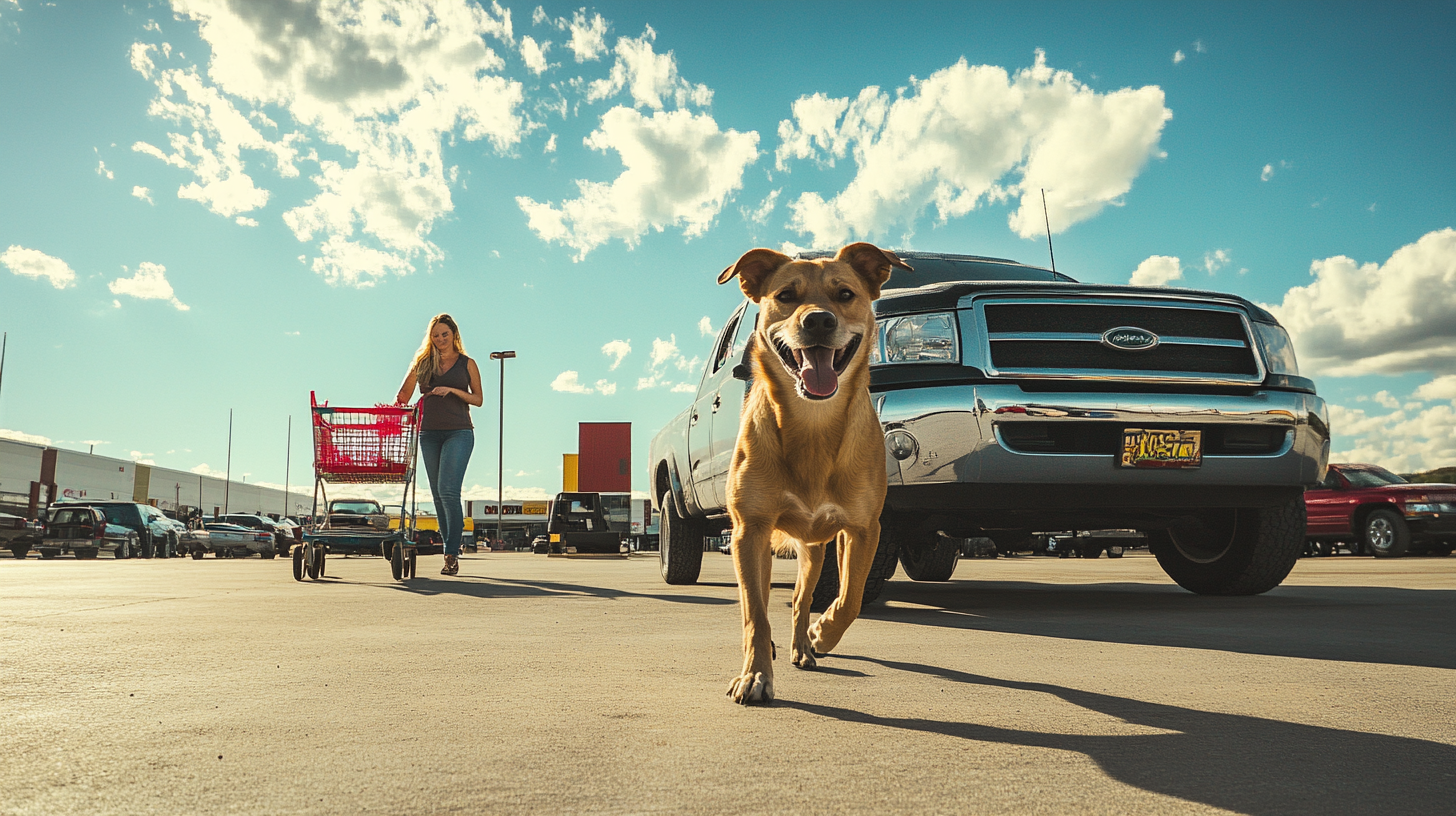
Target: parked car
85,531
282,534
157,537
19,534
236,541
1015,399
1377,512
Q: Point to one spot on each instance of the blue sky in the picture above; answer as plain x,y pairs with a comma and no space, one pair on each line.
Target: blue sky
207,209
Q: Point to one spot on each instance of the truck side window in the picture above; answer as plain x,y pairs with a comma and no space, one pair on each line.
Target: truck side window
725,343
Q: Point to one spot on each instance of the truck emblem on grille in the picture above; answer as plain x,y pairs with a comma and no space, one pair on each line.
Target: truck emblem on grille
1129,338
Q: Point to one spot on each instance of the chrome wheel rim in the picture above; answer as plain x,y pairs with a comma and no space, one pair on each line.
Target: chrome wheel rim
1380,533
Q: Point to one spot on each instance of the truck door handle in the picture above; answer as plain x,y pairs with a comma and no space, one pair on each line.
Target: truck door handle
717,402
693,420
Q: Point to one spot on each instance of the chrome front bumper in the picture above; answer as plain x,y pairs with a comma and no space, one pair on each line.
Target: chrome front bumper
954,436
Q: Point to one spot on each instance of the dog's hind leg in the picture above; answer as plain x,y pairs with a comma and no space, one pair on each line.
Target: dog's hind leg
811,563
856,553
753,562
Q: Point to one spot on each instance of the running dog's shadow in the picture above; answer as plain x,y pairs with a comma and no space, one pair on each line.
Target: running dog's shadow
505,588
1245,764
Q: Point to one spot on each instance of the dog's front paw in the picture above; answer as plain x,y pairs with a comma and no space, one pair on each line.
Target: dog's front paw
748,689
803,657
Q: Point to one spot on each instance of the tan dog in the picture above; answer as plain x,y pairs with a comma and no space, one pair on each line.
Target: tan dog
809,466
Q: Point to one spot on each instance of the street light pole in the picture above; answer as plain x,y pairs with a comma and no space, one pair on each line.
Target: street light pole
500,478
228,477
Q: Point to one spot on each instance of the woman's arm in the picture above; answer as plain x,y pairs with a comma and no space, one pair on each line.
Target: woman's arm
407,390
472,397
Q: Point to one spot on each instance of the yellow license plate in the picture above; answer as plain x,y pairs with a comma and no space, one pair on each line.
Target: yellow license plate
1143,448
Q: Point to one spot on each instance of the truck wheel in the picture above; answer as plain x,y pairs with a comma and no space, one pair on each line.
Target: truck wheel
86,552
49,552
20,550
929,556
680,553
882,569
1385,534
147,550
1242,551
123,550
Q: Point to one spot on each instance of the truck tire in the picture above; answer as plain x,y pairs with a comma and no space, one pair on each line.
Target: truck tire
20,550
929,556
882,569
680,552
1241,551
123,550
146,547
1385,534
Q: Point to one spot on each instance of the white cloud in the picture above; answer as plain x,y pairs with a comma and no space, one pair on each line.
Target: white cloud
663,350
149,283
1394,317
968,136
18,436
1400,441
1157,270
534,54
1215,260
204,470
617,349
550,145
765,208
567,381
1443,387
244,221
588,34
679,170
102,171
143,193
1178,56
648,77
384,83
141,60
705,326
142,458
1267,173
1200,47
1384,399
684,388
32,263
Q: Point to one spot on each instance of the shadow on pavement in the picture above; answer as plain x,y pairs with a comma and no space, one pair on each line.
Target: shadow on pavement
495,588
1244,764
1408,627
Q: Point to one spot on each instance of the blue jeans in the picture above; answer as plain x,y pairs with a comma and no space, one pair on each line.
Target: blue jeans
446,454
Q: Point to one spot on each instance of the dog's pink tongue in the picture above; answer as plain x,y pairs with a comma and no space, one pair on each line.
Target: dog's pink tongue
818,372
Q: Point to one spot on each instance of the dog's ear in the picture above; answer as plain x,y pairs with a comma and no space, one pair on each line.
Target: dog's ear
753,269
872,263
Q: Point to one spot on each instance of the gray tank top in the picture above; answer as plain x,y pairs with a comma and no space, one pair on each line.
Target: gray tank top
448,413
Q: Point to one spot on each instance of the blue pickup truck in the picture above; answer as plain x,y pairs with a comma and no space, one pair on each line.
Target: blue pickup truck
1015,399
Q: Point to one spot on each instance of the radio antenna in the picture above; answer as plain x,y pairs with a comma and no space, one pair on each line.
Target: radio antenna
1048,229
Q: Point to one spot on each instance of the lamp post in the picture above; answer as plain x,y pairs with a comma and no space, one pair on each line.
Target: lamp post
500,478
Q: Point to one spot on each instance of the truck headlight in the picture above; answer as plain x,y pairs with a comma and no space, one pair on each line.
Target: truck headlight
1278,350
1422,508
921,338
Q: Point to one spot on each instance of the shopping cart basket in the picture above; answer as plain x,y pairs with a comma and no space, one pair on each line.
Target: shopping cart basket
361,446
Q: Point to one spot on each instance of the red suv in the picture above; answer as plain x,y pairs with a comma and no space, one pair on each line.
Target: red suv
1380,513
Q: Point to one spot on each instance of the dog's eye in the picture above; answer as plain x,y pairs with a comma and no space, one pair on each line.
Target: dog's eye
846,294
786,296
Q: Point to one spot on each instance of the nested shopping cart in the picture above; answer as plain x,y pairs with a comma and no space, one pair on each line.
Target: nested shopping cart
361,446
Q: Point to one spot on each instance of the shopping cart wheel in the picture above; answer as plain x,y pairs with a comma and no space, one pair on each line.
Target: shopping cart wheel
413,563
298,563
315,555
396,562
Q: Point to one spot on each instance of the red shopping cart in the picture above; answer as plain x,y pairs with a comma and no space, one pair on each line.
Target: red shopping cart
361,446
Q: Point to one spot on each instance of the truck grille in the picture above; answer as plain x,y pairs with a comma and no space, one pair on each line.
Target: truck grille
1073,339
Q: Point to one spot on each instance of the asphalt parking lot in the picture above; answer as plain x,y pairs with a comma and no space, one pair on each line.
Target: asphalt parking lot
544,685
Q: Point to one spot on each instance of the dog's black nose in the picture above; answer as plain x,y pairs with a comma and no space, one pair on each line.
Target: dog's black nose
820,322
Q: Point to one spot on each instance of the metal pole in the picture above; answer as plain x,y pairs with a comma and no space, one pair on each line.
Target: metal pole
4,342
1048,219
500,471
287,460
228,477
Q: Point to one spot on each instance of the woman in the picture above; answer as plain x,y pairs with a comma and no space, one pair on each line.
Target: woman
450,383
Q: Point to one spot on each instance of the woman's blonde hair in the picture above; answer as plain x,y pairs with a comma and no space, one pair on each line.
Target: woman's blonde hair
427,360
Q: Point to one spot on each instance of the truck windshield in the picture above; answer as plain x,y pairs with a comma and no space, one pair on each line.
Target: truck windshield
1371,477
357,508
951,270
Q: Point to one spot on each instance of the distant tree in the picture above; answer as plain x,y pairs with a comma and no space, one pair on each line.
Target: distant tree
1445,475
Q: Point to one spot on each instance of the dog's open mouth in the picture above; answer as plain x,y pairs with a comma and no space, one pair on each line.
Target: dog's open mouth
816,369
